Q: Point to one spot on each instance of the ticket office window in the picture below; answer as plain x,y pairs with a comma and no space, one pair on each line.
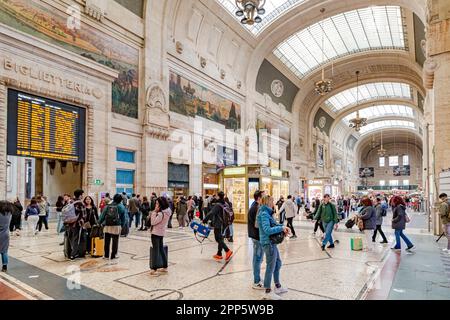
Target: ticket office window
125,181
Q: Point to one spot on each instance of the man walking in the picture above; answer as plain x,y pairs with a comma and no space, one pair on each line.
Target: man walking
216,218
328,215
253,233
289,207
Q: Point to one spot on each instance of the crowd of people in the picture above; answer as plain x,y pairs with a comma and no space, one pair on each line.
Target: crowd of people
80,220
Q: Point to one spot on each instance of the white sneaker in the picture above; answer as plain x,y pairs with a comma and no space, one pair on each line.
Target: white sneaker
280,290
271,296
258,286
445,250
411,249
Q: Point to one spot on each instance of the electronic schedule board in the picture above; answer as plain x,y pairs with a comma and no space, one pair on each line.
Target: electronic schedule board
44,128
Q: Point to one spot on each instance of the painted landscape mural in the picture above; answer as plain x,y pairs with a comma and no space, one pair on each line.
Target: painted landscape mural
51,25
190,99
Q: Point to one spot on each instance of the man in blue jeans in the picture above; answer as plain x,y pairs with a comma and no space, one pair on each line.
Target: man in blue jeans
327,213
253,233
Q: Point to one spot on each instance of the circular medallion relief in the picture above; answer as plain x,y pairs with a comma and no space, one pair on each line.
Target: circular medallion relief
277,88
322,122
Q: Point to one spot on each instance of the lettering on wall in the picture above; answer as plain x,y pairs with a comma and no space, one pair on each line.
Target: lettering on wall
33,72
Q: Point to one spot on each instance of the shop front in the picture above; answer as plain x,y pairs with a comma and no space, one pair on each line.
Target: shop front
240,183
317,188
210,180
178,180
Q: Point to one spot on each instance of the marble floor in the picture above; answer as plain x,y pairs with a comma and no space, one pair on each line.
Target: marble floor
38,268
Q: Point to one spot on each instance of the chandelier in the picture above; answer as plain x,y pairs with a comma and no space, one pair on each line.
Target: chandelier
323,86
382,151
373,144
357,123
250,10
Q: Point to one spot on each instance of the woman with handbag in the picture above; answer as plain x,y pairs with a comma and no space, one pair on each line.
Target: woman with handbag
159,218
399,220
369,221
91,220
270,235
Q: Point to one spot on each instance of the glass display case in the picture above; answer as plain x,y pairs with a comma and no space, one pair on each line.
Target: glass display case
276,190
234,189
284,188
253,186
266,185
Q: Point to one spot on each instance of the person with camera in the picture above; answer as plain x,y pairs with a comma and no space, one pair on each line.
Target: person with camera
270,235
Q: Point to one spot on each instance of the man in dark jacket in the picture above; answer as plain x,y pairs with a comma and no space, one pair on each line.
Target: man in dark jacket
253,233
216,218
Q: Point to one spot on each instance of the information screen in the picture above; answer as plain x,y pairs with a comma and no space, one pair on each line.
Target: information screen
44,128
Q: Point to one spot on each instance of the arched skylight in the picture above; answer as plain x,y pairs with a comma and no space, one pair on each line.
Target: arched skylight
391,124
382,111
372,28
274,9
368,92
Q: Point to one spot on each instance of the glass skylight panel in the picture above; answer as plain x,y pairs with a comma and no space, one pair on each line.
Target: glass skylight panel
387,124
274,9
372,28
382,111
368,92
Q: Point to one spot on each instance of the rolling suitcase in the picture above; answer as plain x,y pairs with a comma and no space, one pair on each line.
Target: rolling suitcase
155,262
97,247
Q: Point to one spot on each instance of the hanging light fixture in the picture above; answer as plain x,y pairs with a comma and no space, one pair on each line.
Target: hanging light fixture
323,86
381,151
250,10
374,144
358,122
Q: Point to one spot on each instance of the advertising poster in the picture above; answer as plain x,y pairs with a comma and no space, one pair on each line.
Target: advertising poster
401,171
368,172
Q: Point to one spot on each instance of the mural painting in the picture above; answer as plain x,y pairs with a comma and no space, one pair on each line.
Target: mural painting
41,21
191,99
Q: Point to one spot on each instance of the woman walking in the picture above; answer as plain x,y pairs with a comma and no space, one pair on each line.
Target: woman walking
6,211
267,227
91,220
16,219
380,212
42,205
32,217
159,218
60,203
399,219
369,219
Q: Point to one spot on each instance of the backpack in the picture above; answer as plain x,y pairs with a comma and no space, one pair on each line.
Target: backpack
112,217
69,214
383,212
227,215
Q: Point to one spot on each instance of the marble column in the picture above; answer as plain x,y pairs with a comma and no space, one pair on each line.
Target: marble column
436,76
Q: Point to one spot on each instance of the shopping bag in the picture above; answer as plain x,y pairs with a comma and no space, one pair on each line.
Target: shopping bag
356,243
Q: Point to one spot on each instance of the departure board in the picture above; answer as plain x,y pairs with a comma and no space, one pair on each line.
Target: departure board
44,128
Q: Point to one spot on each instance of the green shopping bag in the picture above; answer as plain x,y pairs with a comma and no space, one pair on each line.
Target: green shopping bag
356,243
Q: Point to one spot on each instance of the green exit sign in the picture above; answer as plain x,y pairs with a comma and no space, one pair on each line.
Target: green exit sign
98,182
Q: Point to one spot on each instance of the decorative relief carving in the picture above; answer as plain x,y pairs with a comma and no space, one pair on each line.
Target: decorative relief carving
155,99
95,8
429,67
202,62
179,47
157,132
277,88
222,74
239,84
